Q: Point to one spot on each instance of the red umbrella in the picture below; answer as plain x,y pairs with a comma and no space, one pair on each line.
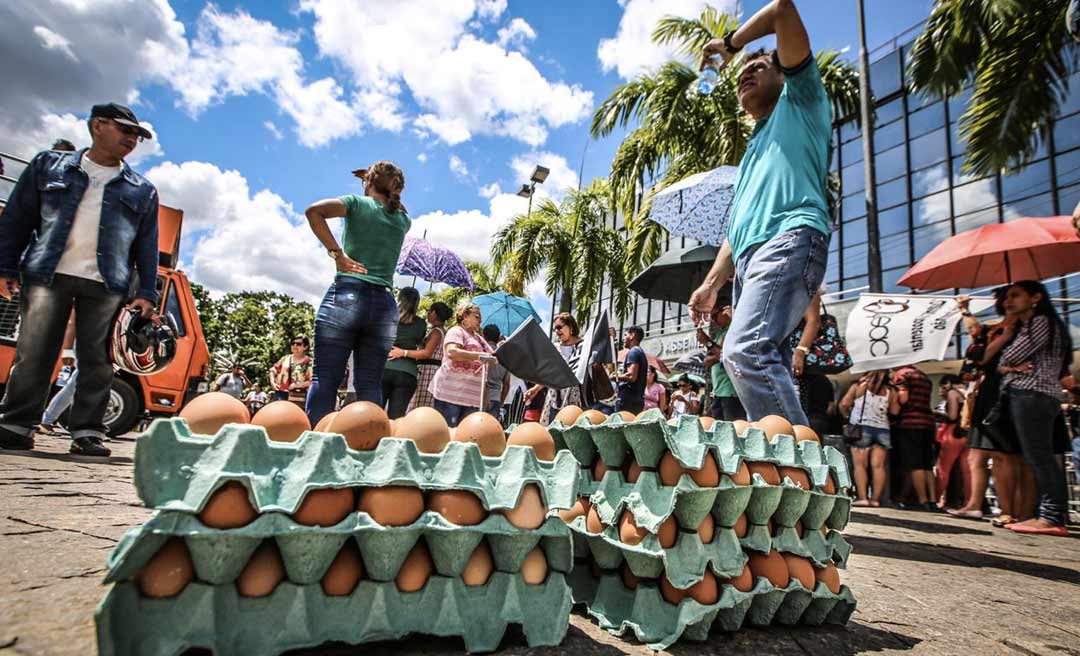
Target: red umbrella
653,360
1032,248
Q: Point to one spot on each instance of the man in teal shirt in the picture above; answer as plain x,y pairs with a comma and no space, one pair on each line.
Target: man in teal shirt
779,236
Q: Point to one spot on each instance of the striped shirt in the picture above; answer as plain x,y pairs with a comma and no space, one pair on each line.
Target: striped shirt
1039,343
460,382
916,413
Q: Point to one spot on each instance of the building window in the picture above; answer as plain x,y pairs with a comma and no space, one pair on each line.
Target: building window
893,220
890,164
1028,181
929,181
895,251
889,112
889,136
854,232
974,196
928,149
926,119
1067,131
885,75
892,193
851,178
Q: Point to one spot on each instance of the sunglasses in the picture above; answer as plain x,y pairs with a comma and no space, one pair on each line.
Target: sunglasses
127,130
297,343
559,326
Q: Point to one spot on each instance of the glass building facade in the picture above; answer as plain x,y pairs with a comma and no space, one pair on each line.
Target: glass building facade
923,194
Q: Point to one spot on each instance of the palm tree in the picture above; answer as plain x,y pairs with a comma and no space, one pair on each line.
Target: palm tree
677,132
569,243
1018,58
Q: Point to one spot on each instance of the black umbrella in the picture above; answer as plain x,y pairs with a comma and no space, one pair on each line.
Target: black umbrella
676,274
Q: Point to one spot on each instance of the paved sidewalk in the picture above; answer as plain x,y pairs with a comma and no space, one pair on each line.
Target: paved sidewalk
925,583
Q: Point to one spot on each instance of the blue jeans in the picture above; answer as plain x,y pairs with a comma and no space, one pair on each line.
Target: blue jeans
452,412
355,317
1033,414
774,283
61,402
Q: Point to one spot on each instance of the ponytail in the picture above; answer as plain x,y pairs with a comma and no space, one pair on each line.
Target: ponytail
387,179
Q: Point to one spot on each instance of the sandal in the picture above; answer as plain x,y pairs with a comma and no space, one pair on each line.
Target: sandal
861,503
1001,521
965,514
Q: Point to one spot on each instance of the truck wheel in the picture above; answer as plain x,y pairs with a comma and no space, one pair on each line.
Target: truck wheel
123,411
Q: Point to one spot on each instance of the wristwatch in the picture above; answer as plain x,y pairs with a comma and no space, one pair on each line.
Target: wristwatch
728,44
334,254
802,348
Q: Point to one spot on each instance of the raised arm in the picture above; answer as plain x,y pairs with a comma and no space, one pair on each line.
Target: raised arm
317,214
779,17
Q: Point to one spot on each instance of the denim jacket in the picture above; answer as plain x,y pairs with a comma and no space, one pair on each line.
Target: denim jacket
37,219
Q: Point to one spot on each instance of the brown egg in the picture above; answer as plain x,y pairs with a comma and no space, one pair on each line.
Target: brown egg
830,485
284,421
707,423
707,529
629,532
771,566
207,413
668,532
628,578
579,509
742,526
363,424
324,507
709,474
416,570
228,507
345,572
804,433
592,521
568,415
801,569
393,428
479,567
426,427
535,436
486,432
740,426
705,591
632,471
741,475
599,469
535,568
743,582
774,425
799,528
168,572
797,476
670,470
670,593
459,507
530,510
626,415
594,416
394,505
766,470
324,424
263,572
829,576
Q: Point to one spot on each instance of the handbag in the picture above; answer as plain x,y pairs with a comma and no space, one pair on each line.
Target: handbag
853,432
828,354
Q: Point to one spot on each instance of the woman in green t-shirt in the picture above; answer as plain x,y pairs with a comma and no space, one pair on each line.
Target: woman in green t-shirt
399,378
358,315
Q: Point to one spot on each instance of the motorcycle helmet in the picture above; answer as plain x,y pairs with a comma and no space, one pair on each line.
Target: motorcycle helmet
142,346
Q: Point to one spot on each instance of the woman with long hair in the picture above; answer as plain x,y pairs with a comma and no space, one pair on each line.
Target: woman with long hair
655,392
458,384
400,376
429,359
868,404
952,444
358,315
568,334
1037,355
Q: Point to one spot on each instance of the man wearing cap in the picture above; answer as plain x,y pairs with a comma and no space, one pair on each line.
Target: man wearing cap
76,229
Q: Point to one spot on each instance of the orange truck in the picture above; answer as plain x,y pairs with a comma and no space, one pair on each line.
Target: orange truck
165,392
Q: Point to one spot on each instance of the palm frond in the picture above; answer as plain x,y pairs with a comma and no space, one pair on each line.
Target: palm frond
689,35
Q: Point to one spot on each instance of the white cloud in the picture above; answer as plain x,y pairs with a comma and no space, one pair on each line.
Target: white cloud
559,180
458,167
236,240
514,35
489,191
273,130
632,51
53,41
422,158
73,128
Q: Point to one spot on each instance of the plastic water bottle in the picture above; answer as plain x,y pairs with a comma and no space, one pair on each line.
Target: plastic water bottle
709,76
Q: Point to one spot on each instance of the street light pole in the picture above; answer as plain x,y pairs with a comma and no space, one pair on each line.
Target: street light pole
867,115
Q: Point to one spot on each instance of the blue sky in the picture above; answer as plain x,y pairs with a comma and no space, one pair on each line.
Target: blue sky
262,108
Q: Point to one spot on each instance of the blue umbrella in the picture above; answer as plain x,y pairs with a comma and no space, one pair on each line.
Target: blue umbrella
505,311
699,206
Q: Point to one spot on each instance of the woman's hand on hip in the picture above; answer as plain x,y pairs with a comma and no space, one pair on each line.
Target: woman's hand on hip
346,264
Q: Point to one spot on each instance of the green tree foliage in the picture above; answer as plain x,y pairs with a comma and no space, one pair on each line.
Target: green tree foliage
1016,55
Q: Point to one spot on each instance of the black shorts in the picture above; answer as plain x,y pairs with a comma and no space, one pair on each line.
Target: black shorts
913,448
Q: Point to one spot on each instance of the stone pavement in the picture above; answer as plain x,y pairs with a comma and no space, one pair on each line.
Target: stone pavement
925,583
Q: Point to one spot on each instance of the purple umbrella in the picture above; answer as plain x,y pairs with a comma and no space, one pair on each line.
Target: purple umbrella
427,261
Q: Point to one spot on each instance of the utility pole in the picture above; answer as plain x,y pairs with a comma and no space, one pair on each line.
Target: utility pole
867,114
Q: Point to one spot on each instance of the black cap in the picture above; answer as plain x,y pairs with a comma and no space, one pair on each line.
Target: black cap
121,115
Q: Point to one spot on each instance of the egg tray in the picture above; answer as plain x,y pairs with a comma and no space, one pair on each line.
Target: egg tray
307,551
685,563
659,624
176,470
296,616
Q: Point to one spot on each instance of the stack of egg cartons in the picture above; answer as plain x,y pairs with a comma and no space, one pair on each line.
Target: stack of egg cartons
259,546
687,528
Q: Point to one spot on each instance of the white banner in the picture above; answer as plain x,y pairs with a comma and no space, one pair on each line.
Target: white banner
891,330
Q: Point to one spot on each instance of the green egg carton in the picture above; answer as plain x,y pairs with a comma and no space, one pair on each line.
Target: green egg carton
820,549
659,624
296,616
307,551
176,470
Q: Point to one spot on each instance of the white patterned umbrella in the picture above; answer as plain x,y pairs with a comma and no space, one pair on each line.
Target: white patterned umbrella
699,206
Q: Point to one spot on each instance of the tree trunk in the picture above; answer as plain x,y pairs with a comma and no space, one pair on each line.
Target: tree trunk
566,296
